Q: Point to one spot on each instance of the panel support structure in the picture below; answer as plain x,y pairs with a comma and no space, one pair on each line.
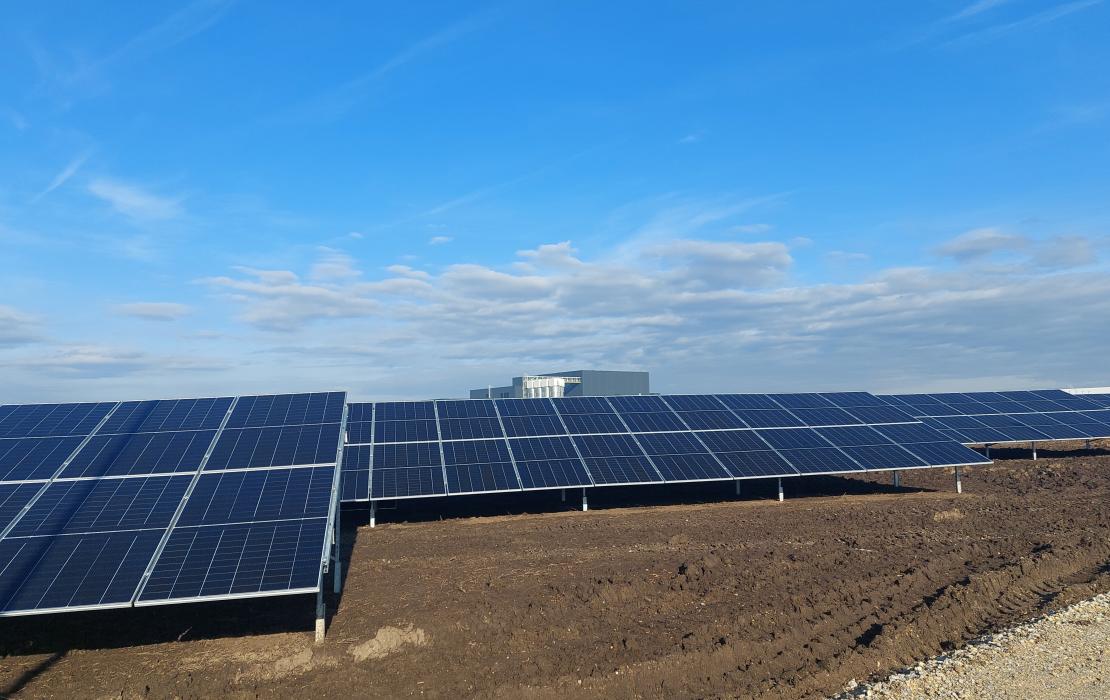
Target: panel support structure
338,580
585,503
737,487
321,616
897,479
780,489
373,512
959,484
1034,446
988,453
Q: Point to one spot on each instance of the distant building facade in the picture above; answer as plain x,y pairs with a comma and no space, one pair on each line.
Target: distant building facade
582,382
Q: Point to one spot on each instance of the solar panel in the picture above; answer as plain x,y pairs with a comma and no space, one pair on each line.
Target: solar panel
147,502
596,441
1006,416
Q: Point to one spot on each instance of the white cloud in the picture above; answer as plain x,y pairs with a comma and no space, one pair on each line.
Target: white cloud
1038,19
691,138
16,327
64,175
439,240
134,202
154,310
980,243
1060,252
334,265
976,8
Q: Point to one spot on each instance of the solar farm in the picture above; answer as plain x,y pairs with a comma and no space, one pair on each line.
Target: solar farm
239,515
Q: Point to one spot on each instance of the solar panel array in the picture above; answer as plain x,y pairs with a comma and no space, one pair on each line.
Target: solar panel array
152,502
420,449
992,417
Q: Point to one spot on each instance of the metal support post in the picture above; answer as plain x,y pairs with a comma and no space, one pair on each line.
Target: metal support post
585,505
563,495
897,479
780,489
338,566
737,487
988,452
1034,444
373,512
1086,444
321,616
959,484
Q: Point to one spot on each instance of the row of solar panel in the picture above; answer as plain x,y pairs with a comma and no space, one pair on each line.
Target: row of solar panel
484,419
59,420
996,402
75,542
421,469
29,459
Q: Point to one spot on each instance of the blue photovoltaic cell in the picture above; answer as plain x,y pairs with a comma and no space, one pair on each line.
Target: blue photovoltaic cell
825,416
475,408
49,420
359,432
142,453
947,453
404,410
256,496
910,433
525,407
711,420
101,505
469,428
481,478
960,422
532,449
582,404
643,422
360,412
1002,421
853,399
97,569
615,459
854,435
414,454
287,409
793,438
24,459
553,473
767,418
241,559
13,497
586,423
355,484
405,430
747,401
638,404
733,441
406,482
693,402
517,426
690,467
820,460
670,444
985,435
167,415
880,414
883,457
801,400
475,452
756,464
275,447
607,446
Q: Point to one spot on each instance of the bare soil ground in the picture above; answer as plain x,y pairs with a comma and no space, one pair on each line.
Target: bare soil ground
656,592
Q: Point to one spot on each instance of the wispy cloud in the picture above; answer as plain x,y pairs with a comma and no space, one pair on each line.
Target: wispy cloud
134,202
439,240
975,8
692,137
62,177
334,103
1031,22
154,310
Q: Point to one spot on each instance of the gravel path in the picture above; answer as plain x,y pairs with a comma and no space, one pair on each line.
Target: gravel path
1061,656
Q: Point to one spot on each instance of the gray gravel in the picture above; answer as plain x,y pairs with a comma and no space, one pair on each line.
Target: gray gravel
1062,656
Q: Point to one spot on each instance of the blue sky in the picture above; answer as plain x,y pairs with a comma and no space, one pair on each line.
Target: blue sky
233,197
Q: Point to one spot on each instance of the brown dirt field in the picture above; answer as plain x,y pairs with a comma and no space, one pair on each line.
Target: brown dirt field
656,592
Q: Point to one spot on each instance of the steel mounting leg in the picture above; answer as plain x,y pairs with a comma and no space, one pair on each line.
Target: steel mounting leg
897,479
585,503
373,513
959,484
321,616
988,455
737,487
338,577
1034,444
563,495
780,490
